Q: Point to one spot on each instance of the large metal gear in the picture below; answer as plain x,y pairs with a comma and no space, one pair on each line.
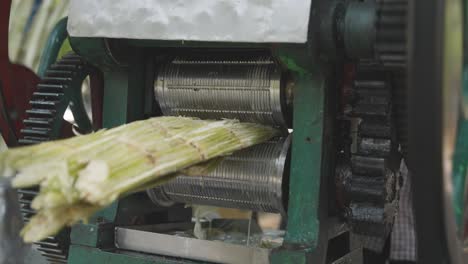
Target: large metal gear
60,86
369,175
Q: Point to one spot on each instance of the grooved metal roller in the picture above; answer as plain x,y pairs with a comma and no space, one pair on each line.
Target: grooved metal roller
245,87
255,178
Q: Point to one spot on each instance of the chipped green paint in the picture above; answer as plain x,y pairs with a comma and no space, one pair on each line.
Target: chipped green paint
293,66
306,157
303,225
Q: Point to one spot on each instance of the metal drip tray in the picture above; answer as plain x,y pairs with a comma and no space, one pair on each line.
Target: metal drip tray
174,240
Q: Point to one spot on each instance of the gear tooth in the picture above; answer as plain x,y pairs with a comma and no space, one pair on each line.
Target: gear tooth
376,147
47,243
368,165
375,128
35,112
72,61
56,79
57,73
377,190
47,96
37,131
29,140
54,257
44,104
39,122
68,68
50,87
371,220
371,98
367,189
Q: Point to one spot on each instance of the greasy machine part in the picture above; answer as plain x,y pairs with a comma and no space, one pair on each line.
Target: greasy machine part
391,51
370,177
244,87
255,178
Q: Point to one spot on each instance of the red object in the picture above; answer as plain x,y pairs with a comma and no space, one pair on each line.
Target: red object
17,82
97,94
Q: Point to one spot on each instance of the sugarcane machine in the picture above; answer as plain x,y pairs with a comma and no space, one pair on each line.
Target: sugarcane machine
355,86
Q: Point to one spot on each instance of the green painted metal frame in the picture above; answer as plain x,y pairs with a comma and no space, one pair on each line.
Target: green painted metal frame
90,255
53,45
123,102
306,158
303,226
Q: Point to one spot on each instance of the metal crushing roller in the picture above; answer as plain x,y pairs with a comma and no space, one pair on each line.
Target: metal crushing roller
249,87
255,178
245,87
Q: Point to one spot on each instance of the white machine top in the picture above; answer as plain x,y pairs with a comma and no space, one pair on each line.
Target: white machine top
197,20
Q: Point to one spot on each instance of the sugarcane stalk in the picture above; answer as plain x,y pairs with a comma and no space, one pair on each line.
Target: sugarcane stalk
83,174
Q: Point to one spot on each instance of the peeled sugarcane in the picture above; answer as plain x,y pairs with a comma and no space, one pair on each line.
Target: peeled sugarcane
20,11
81,175
26,44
